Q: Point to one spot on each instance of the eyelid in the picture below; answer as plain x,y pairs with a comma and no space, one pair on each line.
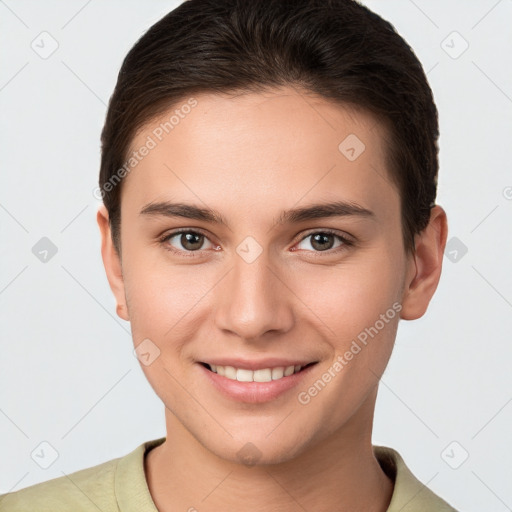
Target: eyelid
168,235
346,238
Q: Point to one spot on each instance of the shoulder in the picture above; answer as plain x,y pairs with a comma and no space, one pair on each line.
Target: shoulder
409,494
89,489
118,484
84,490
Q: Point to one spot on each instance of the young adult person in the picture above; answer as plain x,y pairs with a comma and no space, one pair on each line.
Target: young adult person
269,174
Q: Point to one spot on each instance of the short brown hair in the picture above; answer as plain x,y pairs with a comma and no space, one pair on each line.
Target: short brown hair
337,49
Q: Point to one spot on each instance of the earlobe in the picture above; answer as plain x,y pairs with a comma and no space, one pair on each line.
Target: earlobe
425,266
122,311
112,263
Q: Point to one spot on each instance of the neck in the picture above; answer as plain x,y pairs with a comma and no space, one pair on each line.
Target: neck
338,473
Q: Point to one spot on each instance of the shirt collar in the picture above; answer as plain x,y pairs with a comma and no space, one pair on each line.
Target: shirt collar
408,492
132,492
130,485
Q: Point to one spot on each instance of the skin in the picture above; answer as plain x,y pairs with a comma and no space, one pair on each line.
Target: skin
249,157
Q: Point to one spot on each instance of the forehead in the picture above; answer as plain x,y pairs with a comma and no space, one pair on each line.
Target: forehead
276,146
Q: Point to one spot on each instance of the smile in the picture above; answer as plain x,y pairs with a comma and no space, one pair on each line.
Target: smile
260,375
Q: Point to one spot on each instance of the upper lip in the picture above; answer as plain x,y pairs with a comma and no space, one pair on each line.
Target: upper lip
246,364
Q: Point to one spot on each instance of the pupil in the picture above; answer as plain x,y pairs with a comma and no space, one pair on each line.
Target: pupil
323,238
187,240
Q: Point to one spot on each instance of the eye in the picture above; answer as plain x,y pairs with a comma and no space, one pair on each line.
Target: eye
185,241
322,241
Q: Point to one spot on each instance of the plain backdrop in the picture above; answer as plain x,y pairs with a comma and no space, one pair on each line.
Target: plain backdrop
70,386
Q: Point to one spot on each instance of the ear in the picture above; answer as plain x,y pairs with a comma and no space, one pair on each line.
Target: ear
425,266
112,263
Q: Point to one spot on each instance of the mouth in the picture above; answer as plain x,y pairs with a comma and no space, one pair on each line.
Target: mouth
254,382
269,374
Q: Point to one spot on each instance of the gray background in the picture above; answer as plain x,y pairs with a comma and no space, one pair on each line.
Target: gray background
68,376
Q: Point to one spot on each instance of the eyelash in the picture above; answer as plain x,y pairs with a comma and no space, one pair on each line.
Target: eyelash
346,242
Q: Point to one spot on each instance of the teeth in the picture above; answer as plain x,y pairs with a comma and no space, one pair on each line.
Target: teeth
289,370
262,375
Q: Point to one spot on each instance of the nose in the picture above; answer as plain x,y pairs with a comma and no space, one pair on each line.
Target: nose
254,299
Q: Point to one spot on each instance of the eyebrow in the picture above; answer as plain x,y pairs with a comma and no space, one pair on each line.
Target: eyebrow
294,215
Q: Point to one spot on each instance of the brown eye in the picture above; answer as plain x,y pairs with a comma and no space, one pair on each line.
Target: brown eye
321,241
191,241
185,241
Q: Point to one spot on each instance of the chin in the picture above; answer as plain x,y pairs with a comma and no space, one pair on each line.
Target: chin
257,450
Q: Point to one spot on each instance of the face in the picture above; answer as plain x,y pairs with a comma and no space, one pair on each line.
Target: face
232,258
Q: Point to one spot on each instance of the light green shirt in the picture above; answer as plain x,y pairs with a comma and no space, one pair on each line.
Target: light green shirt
119,485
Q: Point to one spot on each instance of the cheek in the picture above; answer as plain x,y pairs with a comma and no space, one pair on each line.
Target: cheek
351,297
162,297
166,300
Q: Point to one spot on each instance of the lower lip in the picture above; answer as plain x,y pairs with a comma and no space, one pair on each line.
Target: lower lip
255,392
